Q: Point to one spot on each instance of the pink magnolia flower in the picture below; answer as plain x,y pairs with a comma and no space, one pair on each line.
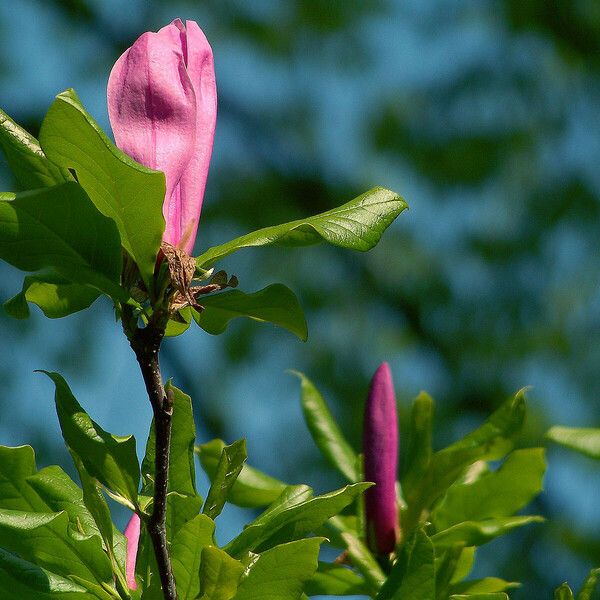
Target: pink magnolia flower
380,447
132,533
162,106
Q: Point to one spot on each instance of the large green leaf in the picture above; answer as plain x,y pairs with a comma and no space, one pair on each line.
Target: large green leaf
281,572
182,471
130,194
219,574
251,489
111,459
21,580
583,439
275,304
55,295
476,533
229,467
357,225
335,580
26,159
491,441
495,494
294,521
60,228
46,540
50,490
325,431
186,553
413,574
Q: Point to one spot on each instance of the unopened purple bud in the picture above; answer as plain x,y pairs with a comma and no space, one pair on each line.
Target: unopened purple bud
380,448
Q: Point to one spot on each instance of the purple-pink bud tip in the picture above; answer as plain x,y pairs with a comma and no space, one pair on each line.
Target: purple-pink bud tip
380,448
162,106
132,533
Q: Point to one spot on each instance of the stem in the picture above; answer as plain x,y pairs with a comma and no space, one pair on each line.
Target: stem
146,345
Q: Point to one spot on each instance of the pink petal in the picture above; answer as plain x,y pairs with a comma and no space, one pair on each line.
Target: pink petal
186,203
132,533
152,106
380,447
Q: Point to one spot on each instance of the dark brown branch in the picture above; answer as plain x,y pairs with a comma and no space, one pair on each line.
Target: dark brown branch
146,345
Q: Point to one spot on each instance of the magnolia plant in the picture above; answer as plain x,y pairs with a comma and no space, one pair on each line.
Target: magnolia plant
94,218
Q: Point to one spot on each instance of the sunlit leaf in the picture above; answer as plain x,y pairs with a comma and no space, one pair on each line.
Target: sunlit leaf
59,228
56,296
274,304
123,190
252,488
26,159
229,467
357,225
582,439
325,431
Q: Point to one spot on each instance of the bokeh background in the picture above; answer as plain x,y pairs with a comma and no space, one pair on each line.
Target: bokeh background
483,114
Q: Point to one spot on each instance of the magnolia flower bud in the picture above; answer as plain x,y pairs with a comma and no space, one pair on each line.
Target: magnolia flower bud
162,106
132,533
380,448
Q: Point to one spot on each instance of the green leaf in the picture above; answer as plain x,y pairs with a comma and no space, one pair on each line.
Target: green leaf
115,542
495,494
123,190
472,533
419,448
335,580
491,441
45,539
176,327
494,596
186,552
294,521
274,304
229,467
21,580
582,439
364,561
251,489
219,574
111,459
55,295
357,225
182,471
281,572
486,585
60,228
464,564
26,158
50,490
413,574
563,593
589,585
325,431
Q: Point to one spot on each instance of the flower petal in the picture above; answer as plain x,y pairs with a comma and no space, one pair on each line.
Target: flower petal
186,204
152,106
132,533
